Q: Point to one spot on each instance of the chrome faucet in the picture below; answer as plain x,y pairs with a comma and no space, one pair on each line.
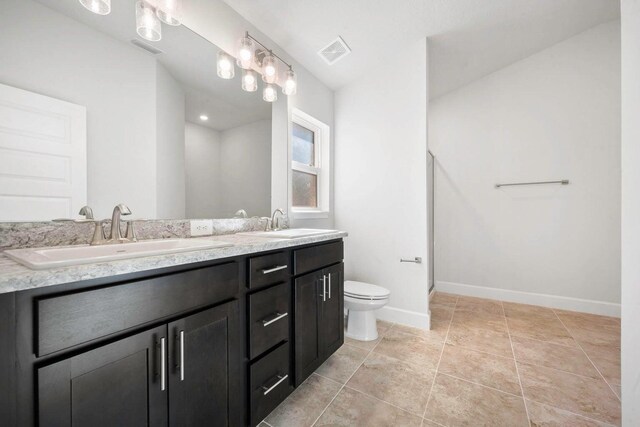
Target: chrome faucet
275,222
241,213
116,233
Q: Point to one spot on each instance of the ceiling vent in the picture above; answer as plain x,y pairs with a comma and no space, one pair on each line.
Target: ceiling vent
142,45
334,51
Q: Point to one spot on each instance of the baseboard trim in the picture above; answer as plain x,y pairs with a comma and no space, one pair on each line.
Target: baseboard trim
545,300
404,317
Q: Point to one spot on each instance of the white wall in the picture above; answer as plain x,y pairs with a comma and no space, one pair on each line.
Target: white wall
220,24
45,52
170,146
554,115
630,212
245,175
380,180
202,165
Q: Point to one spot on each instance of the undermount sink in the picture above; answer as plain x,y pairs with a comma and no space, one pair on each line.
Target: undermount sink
42,258
289,233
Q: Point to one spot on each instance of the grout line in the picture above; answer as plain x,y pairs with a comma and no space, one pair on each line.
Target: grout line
381,336
480,384
524,399
444,344
585,353
572,413
383,401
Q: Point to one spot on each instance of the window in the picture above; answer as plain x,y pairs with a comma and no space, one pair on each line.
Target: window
309,167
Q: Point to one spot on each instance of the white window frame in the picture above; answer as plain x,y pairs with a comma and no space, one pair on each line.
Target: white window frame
321,169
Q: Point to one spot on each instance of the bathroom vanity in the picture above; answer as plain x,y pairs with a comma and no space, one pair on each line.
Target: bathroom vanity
220,341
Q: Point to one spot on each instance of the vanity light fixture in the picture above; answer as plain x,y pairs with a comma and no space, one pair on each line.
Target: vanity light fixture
249,80
245,52
204,117
169,11
148,25
225,67
290,83
269,68
100,7
269,93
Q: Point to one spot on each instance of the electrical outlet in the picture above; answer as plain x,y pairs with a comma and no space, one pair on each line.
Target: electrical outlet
201,227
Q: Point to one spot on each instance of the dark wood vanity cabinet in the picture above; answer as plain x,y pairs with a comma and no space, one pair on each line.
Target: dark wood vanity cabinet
319,308
218,343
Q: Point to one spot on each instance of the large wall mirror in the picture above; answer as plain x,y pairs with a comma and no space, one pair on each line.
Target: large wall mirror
90,113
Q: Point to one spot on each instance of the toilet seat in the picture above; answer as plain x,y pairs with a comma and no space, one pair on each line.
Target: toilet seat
364,291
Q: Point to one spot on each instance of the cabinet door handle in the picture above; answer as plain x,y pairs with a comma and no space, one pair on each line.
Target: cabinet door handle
274,269
278,316
324,288
267,390
163,357
329,285
182,360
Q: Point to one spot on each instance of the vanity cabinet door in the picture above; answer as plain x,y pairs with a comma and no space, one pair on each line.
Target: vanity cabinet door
332,315
307,300
120,384
204,366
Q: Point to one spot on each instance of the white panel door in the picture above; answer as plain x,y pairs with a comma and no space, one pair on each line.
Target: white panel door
43,156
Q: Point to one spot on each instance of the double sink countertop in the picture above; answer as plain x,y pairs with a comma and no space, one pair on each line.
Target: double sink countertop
15,277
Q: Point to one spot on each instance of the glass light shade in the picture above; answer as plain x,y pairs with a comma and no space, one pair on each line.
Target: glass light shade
101,7
249,80
226,70
148,25
269,93
290,83
169,11
246,50
269,69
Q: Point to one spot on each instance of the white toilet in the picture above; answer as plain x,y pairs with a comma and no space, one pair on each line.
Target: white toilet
360,300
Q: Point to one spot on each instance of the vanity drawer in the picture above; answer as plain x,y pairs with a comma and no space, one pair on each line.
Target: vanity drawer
316,257
268,318
68,320
268,269
270,383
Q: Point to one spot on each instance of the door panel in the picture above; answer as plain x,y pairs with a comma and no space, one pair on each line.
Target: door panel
117,384
332,316
307,290
204,368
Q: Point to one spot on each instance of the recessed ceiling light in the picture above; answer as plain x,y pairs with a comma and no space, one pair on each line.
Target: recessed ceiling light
204,117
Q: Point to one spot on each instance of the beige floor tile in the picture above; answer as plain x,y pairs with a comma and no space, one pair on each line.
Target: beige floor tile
343,363
480,320
456,402
547,416
617,390
486,369
524,311
428,423
305,404
391,380
586,320
352,408
383,326
479,306
441,298
411,348
602,337
486,340
549,330
366,345
589,397
440,319
607,360
564,358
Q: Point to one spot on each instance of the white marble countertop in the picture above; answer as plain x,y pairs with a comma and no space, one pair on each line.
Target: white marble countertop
16,277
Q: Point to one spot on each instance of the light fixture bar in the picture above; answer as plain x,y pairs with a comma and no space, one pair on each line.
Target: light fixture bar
267,49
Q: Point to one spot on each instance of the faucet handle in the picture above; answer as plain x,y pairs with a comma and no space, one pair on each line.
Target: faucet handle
98,233
87,212
130,234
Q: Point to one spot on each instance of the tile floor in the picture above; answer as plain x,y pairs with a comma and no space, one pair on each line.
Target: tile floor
484,363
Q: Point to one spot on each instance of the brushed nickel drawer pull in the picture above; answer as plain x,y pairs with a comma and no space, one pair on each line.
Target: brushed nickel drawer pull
274,269
163,372
182,361
329,285
267,390
275,319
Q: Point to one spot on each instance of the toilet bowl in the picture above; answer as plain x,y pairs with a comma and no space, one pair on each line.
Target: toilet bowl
360,301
